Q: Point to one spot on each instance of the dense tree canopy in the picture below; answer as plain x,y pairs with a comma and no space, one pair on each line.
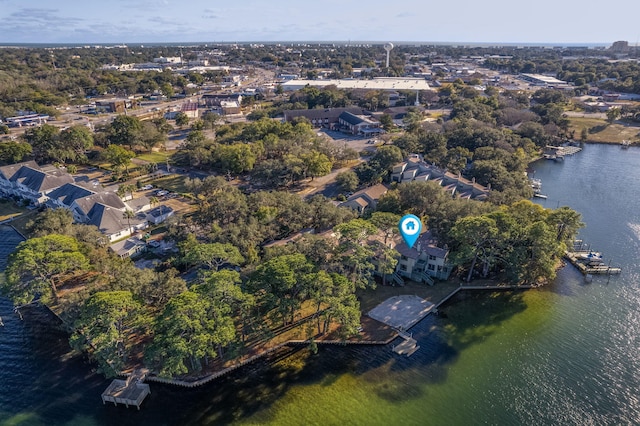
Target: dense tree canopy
38,263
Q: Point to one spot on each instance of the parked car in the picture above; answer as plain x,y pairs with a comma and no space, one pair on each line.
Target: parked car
162,193
146,187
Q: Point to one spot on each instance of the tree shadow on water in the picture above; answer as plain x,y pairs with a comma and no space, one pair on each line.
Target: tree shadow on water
473,316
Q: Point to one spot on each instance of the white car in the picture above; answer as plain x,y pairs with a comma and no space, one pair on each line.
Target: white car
162,193
146,187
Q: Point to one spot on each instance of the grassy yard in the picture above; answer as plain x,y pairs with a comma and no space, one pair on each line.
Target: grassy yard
156,157
603,132
173,183
9,209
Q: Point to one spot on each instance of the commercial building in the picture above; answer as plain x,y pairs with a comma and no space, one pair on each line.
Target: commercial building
381,83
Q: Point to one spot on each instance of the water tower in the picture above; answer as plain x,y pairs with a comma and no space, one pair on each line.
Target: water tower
388,47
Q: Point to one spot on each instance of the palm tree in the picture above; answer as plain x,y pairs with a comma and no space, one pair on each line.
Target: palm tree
154,201
125,189
128,214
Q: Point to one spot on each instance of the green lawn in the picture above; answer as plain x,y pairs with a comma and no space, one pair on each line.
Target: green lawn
156,157
171,183
9,209
601,131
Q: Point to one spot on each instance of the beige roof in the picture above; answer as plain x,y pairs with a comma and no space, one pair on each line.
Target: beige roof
383,83
374,192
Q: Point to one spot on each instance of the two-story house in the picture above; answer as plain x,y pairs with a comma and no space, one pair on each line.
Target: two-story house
424,261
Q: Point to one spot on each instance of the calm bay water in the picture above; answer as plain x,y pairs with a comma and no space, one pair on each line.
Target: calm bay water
565,354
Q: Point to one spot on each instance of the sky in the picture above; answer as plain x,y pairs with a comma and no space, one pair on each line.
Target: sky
463,21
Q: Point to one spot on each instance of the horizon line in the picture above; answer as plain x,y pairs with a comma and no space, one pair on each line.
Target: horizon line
343,42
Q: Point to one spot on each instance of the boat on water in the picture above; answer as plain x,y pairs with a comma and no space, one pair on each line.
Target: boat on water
539,195
625,144
536,184
589,256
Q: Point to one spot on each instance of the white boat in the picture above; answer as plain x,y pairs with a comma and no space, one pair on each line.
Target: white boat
591,255
536,184
538,195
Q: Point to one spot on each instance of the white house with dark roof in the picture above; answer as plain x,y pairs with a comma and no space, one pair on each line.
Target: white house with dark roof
31,182
140,204
424,261
65,195
82,207
112,222
159,214
129,247
7,172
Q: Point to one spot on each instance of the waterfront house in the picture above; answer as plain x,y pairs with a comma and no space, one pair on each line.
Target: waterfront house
424,261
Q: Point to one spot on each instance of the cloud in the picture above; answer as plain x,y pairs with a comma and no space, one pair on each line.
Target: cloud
209,14
31,16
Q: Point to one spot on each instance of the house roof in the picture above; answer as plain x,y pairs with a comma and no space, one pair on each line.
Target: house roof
350,118
69,192
109,220
365,197
8,171
138,203
189,106
127,246
320,113
39,181
160,211
106,198
427,245
373,192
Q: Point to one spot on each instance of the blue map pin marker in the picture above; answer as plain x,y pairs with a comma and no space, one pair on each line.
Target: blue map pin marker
410,227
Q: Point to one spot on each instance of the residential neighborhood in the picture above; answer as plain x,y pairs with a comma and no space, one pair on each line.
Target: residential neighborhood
52,187
186,210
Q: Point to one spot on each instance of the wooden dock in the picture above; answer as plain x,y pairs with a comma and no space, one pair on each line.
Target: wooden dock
576,259
408,347
131,391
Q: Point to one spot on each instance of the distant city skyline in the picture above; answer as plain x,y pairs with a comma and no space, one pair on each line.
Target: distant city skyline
464,21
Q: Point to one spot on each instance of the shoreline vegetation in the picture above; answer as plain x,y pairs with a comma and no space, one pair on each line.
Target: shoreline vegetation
373,332
249,262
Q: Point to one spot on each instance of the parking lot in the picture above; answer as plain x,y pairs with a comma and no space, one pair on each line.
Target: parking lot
356,143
